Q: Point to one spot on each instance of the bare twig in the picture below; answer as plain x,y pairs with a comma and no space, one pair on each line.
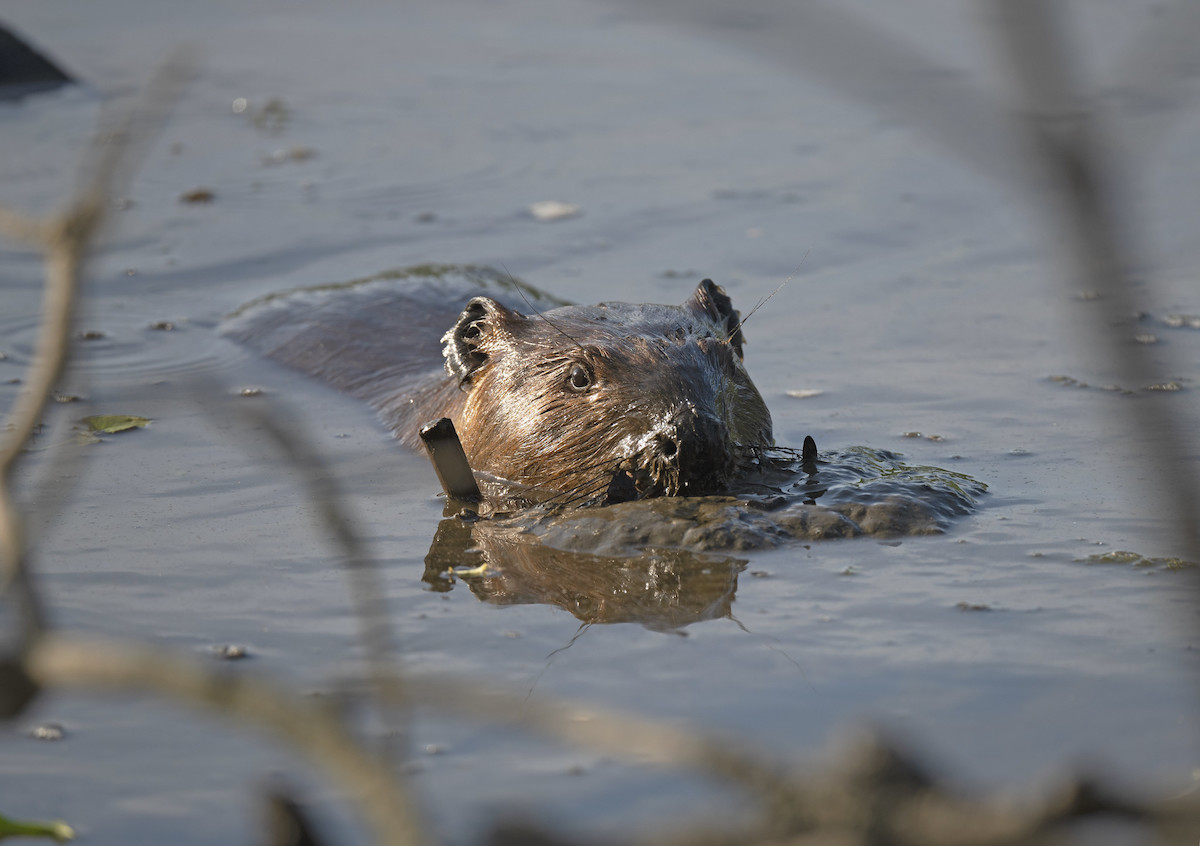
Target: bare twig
1066,145
367,589
62,661
65,241
17,227
872,793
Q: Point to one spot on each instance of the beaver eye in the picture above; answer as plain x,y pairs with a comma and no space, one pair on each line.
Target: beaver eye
579,379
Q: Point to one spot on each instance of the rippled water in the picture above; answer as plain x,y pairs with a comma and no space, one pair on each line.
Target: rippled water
924,322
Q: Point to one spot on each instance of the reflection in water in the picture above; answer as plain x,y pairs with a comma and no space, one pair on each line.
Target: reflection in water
666,563
663,589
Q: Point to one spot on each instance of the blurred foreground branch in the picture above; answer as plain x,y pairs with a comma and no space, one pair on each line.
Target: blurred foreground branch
367,589
42,659
65,240
1066,147
874,792
63,662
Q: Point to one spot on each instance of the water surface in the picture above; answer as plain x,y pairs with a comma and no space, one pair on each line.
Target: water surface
924,311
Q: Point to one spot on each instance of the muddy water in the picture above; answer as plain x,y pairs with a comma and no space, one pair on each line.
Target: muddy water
924,314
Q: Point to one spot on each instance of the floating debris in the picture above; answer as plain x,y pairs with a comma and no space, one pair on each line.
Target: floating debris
231,652
272,117
937,439
111,424
198,195
1125,557
54,830
250,392
1071,382
289,154
1165,386
804,393
90,335
973,606
162,325
48,731
551,210
1182,321
469,572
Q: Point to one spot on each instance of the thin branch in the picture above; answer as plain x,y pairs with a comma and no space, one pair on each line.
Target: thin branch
60,661
367,588
65,241
1067,147
17,227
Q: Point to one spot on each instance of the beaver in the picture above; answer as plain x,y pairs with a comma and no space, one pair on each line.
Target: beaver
619,399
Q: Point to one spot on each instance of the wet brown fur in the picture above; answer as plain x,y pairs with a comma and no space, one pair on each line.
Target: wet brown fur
558,401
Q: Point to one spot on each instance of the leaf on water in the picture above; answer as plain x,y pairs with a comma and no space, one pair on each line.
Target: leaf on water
110,424
55,830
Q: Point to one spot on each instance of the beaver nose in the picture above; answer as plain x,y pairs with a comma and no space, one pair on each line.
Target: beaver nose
697,445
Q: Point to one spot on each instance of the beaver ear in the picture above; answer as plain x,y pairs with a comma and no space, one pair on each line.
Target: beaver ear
711,301
463,340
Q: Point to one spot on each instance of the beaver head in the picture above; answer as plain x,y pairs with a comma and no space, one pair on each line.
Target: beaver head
651,399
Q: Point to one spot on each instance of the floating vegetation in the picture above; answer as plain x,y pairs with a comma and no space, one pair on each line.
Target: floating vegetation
847,493
111,424
1126,558
1182,321
53,830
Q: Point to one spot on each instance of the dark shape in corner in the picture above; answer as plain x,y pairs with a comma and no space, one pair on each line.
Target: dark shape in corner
25,71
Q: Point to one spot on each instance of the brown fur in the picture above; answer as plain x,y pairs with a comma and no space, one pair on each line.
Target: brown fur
654,396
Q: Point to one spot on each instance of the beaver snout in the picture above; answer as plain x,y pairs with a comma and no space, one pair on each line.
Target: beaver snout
689,455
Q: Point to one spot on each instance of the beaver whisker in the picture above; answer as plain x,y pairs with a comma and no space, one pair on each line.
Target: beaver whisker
534,309
583,494
742,322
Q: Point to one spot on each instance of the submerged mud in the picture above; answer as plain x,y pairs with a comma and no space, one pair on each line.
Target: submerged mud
847,493
669,562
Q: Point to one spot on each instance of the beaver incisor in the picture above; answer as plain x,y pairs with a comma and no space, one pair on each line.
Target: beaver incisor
569,399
